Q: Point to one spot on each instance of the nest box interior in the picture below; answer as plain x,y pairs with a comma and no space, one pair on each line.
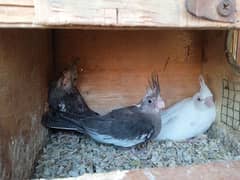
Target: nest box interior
113,69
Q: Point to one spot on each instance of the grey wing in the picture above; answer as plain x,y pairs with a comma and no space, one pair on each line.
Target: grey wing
122,111
75,103
71,102
133,127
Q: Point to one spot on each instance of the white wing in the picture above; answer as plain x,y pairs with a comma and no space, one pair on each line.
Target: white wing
174,110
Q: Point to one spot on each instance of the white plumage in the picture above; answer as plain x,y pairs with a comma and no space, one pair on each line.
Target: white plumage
190,117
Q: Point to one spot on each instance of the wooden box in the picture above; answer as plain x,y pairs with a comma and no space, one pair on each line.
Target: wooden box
119,44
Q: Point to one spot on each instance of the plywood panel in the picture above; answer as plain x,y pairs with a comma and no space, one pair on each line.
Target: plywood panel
25,62
114,65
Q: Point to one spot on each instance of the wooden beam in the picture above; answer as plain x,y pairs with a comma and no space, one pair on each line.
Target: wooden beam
104,14
17,3
219,170
137,13
16,15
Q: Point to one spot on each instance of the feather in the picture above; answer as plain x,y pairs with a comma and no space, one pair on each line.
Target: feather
124,127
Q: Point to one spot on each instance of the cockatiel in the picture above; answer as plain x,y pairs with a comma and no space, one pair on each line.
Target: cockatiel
190,117
123,127
64,96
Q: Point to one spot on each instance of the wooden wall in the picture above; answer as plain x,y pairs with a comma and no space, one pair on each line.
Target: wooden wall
114,65
25,61
215,66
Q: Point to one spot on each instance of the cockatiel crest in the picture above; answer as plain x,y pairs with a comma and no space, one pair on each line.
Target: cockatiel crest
204,95
152,101
204,90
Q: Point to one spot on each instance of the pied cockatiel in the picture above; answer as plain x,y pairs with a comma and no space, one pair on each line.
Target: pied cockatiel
190,117
123,127
64,96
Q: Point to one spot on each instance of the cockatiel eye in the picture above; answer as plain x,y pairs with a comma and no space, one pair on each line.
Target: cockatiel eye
149,101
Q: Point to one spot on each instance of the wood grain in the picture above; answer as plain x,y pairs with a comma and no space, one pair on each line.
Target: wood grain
104,14
16,15
115,65
25,62
136,13
17,3
214,171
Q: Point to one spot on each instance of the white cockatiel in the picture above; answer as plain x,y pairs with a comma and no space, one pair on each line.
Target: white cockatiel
190,117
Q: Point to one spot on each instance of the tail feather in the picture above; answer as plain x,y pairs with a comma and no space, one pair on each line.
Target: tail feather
56,121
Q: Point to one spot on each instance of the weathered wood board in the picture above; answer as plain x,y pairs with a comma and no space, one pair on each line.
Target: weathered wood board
135,13
104,14
25,68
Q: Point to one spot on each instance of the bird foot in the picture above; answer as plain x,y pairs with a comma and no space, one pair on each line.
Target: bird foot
139,148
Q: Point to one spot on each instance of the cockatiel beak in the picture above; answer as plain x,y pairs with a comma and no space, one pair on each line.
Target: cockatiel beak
209,101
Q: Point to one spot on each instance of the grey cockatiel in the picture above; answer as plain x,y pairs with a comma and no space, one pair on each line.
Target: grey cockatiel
64,96
123,127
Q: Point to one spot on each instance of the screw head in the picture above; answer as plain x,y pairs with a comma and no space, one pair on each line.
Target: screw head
225,8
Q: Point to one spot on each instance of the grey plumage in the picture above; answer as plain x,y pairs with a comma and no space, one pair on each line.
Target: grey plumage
67,101
64,96
126,126
52,120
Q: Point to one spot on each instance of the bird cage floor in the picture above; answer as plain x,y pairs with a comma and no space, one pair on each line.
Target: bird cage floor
68,154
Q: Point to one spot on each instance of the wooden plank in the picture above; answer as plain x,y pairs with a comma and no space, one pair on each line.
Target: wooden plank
14,14
104,14
25,66
214,171
17,3
135,13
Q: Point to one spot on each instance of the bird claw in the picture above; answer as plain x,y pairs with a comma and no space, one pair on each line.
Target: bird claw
141,146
